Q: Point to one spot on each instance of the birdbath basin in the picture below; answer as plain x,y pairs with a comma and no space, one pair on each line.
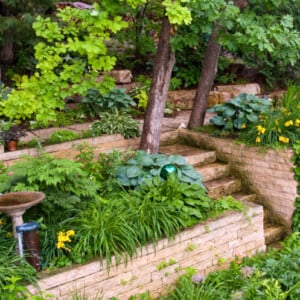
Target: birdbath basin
16,203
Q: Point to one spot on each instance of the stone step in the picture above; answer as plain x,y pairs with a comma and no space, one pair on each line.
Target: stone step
244,197
213,171
223,186
193,155
273,233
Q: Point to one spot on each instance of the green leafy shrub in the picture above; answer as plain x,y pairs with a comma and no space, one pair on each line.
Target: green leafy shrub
115,122
62,135
63,181
80,54
143,166
102,167
95,102
278,126
239,112
136,217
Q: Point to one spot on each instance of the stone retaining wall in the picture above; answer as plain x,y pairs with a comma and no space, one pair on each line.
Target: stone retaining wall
207,246
105,143
267,174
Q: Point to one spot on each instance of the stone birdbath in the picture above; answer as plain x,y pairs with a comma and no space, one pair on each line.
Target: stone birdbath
16,203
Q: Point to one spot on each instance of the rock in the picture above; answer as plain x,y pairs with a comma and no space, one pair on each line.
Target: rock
236,89
121,76
182,99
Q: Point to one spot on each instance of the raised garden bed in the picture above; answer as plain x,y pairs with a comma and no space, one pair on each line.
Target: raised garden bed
207,246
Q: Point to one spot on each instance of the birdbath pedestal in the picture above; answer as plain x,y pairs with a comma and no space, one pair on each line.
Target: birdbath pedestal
16,203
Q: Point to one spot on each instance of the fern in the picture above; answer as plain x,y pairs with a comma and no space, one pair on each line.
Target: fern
63,181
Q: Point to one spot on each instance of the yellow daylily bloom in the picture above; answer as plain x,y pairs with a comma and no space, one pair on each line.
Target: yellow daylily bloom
288,123
257,140
284,139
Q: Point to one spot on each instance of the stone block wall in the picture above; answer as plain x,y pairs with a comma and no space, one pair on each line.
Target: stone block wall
268,174
207,246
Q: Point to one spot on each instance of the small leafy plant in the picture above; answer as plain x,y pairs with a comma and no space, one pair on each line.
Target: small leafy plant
143,166
279,126
115,122
239,112
95,102
10,131
62,135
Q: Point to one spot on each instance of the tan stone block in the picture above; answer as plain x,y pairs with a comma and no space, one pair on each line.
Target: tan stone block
121,76
249,88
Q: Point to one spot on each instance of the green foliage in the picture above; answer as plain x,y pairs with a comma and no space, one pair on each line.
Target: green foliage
101,167
95,103
14,272
283,64
102,232
69,61
157,209
143,166
10,131
17,37
279,126
62,135
65,184
115,122
261,277
239,112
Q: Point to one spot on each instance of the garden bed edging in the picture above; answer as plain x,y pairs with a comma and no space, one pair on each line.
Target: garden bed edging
207,246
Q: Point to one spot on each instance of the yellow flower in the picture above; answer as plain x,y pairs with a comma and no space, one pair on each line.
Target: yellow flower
1,222
70,232
244,126
297,122
284,110
260,129
257,140
288,123
284,139
64,237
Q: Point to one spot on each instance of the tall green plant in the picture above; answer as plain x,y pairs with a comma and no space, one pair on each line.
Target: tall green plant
69,61
239,112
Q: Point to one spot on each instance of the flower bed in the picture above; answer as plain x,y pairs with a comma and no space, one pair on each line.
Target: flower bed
207,246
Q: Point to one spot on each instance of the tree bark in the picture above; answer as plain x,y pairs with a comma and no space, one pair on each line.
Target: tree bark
162,71
206,80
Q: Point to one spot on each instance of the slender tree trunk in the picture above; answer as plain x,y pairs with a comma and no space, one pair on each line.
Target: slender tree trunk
163,66
205,83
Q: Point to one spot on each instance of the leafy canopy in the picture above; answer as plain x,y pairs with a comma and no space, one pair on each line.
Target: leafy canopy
70,57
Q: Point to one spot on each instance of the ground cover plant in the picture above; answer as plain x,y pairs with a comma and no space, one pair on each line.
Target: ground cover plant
268,123
270,276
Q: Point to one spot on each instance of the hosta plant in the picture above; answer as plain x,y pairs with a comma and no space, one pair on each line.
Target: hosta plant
237,113
95,102
115,122
279,126
143,166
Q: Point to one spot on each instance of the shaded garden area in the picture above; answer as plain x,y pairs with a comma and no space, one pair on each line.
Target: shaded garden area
108,205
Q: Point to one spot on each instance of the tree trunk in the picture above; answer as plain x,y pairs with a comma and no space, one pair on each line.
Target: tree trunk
208,73
162,71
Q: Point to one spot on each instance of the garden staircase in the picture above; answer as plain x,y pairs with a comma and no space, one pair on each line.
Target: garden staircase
219,181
